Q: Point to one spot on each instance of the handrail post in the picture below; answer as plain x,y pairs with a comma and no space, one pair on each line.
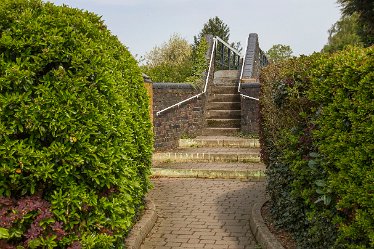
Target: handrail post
229,59
222,55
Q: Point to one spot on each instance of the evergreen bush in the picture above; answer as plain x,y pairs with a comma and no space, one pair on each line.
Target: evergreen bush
316,134
75,133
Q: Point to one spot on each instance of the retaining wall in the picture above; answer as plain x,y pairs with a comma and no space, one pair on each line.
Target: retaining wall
250,108
185,120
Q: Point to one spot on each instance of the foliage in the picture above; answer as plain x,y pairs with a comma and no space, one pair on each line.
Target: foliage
216,27
286,145
316,133
279,52
342,34
176,51
343,88
75,134
170,62
199,63
177,61
365,11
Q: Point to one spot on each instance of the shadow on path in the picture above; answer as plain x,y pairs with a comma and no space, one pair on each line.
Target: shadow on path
201,213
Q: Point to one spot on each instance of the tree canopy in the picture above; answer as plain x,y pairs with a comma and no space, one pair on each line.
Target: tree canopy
177,61
170,62
279,52
343,33
365,12
216,27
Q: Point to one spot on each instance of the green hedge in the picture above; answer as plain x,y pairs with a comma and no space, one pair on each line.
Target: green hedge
75,133
317,132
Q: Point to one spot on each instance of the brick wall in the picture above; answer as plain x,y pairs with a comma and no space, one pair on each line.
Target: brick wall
186,120
249,122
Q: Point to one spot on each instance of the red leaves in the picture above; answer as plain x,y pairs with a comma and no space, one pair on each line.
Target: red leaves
34,214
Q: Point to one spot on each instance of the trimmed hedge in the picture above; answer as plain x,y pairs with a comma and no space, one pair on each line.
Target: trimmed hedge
75,132
316,133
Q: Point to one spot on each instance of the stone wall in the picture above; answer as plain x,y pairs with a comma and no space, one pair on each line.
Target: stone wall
250,108
185,120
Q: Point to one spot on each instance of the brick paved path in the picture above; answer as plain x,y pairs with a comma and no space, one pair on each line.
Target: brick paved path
201,213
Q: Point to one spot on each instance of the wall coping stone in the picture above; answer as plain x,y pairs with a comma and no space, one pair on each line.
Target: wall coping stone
157,85
250,85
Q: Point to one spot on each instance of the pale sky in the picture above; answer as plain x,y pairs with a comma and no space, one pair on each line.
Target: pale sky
143,24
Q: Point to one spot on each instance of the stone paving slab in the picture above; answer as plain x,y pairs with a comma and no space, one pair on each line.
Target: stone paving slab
200,213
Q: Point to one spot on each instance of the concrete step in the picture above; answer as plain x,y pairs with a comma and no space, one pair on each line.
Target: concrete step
224,97
223,105
223,114
192,155
224,89
219,141
223,123
248,171
249,175
226,82
211,166
227,74
220,131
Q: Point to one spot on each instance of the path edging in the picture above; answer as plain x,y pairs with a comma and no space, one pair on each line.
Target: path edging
142,227
261,232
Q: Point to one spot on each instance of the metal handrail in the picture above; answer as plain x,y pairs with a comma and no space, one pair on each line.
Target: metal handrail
249,97
210,64
205,86
228,46
242,70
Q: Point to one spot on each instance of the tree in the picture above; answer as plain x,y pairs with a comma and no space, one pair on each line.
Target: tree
175,51
279,52
170,62
365,12
216,27
199,63
343,33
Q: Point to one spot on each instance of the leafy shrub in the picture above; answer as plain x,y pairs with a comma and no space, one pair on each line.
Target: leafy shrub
316,138
343,87
285,134
75,134
177,61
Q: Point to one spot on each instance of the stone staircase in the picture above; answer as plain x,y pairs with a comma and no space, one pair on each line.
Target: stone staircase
223,106
221,157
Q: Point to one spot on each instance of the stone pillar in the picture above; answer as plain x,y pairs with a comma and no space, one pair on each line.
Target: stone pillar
149,87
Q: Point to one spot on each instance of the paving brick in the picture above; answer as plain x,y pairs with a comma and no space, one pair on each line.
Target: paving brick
214,213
